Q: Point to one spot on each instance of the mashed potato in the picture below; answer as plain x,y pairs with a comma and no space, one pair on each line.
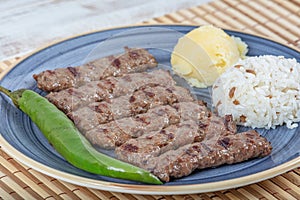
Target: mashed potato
204,53
260,92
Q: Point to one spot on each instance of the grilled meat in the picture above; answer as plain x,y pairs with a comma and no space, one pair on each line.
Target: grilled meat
216,126
133,60
115,133
138,151
70,99
199,124
140,101
228,149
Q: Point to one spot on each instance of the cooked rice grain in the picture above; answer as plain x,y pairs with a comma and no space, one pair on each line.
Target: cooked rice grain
260,92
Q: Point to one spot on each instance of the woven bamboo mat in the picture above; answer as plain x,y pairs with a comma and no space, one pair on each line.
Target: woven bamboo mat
276,19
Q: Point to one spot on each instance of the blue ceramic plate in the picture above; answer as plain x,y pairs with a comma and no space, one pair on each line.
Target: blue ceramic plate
24,142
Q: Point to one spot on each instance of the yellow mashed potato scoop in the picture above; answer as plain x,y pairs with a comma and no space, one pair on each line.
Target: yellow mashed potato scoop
204,53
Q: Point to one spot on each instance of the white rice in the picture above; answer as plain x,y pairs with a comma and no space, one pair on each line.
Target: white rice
260,92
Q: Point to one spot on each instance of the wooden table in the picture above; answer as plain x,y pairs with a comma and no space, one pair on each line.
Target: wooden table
276,19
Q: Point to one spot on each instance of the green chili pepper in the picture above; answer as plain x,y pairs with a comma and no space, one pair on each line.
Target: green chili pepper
69,142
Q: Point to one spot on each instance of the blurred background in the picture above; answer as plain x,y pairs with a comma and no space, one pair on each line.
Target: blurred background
30,24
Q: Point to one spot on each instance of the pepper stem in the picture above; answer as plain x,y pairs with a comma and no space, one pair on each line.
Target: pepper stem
14,96
5,91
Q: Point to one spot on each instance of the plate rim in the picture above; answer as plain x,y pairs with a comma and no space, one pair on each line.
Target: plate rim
143,189
57,41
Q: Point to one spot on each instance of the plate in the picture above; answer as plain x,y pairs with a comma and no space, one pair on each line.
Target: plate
24,142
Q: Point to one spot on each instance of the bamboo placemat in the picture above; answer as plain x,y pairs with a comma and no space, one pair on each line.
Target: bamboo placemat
276,19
